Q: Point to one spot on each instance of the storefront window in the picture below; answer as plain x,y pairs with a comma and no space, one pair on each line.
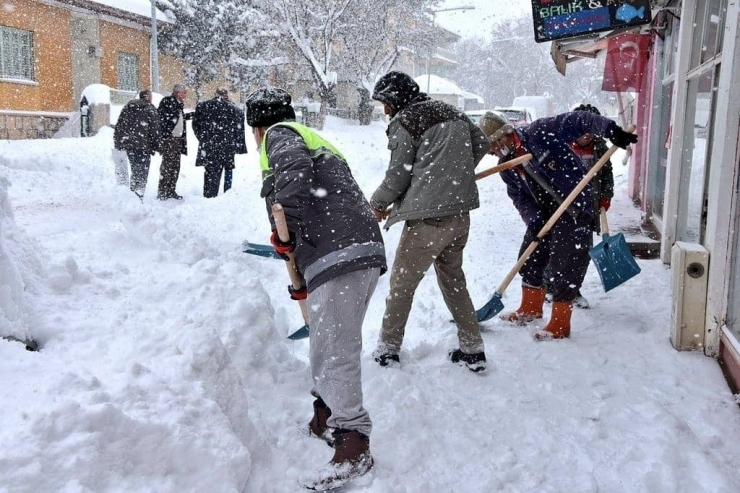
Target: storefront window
692,193
671,46
709,24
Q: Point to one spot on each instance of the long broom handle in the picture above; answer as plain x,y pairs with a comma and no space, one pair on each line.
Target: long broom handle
488,172
295,279
559,212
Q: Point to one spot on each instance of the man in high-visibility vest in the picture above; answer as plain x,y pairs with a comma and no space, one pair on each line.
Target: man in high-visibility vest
339,251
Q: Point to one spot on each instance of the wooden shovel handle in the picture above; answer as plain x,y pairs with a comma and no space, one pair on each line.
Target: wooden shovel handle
559,212
502,167
604,223
486,172
295,278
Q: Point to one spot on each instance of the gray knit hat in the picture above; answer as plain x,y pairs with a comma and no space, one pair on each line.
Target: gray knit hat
494,126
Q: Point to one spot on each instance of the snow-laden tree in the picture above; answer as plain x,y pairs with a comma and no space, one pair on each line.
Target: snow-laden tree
313,28
512,64
373,37
217,38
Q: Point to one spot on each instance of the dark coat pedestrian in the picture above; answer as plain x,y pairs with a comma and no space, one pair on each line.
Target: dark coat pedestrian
174,141
537,189
219,126
137,132
430,182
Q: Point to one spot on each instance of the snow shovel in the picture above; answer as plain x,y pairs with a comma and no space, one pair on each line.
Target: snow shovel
295,278
267,251
613,258
495,305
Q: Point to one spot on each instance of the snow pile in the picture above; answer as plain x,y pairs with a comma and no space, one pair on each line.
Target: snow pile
19,270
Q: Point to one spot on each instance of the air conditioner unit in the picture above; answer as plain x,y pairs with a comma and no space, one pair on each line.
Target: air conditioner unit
690,266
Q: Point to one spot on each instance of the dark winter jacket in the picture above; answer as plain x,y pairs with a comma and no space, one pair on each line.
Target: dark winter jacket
137,128
336,233
603,183
170,109
555,164
434,151
219,127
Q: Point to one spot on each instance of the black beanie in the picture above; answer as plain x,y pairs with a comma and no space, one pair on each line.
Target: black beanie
268,106
587,107
396,89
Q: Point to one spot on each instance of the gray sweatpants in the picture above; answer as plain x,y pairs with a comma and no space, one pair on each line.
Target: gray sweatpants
337,310
440,242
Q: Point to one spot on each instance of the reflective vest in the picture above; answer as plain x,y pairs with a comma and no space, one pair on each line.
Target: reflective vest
316,144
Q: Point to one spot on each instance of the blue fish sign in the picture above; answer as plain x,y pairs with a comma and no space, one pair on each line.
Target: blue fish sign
627,12
558,19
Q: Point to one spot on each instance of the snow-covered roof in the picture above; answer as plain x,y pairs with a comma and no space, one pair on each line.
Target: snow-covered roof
138,7
438,85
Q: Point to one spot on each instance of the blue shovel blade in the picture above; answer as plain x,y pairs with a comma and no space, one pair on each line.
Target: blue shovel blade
614,261
490,309
260,250
301,333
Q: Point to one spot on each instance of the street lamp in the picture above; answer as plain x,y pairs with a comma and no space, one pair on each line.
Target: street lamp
434,14
155,50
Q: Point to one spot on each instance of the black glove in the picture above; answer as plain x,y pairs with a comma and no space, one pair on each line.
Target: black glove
620,138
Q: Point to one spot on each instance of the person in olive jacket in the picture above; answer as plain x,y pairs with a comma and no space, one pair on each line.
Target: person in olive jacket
137,133
430,182
174,141
339,252
219,126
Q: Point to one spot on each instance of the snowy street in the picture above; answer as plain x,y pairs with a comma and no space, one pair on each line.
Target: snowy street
164,365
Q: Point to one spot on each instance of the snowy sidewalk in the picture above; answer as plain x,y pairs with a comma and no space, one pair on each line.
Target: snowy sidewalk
165,367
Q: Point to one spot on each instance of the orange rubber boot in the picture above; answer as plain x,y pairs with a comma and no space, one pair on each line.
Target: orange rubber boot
559,325
530,307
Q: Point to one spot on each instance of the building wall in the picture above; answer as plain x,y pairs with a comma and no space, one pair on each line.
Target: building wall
52,88
115,39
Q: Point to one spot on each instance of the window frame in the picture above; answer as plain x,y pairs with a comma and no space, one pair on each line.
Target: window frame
124,72
25,51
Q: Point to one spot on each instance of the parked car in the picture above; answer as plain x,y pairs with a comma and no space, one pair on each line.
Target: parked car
475,115
517,115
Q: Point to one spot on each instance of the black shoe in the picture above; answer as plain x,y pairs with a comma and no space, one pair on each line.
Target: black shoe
175,196
386,359
475,362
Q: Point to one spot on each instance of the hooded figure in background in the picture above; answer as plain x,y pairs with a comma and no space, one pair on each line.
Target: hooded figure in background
430,182
219,126
537,188
339,253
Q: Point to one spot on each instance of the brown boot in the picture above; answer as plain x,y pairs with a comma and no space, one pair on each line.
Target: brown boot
559,325
351,460
530,307
317,427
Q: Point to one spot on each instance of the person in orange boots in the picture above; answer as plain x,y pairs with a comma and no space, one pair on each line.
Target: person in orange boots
537,189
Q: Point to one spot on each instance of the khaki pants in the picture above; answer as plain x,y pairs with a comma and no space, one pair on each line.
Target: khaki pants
424,242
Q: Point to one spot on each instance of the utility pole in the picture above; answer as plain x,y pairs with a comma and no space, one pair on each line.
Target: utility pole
429,58
154,50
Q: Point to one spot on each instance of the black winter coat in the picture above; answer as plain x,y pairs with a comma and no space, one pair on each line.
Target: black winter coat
336,232
170,109
219,127
137,128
